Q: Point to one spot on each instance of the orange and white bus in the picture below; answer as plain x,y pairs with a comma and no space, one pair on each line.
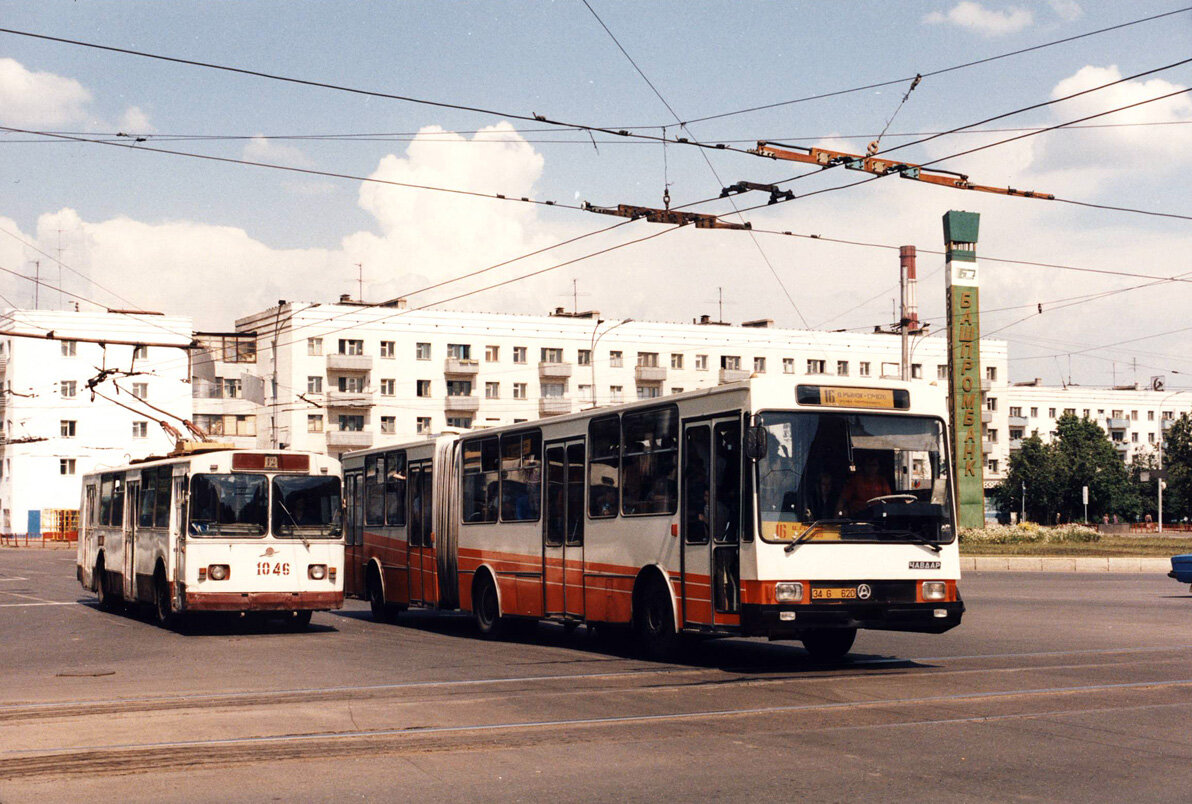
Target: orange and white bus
227,530
761,508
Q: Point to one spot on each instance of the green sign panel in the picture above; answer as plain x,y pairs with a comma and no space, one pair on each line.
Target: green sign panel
964,365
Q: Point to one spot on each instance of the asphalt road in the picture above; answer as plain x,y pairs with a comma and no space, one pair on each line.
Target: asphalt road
1056,687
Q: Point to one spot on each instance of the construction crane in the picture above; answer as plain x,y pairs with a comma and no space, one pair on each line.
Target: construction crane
881,166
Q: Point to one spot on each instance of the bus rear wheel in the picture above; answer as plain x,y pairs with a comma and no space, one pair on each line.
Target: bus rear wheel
486,607
654,622
829,645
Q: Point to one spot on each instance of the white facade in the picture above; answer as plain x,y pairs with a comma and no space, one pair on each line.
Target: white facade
349,376
53,431
1132,418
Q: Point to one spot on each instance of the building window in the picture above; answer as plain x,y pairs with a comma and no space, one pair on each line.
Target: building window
388,424
916,371
140,429
351,346
351,385
815,366
66,466
788,365
459,388
423,388
68,350
551,355
730,362
314,385
388,386
422,351
647,392
676,360
616,359
863,368
460,351
67,428
388,349
232,389
701,362
647,359
462,422
616,393
314,423
422,425
759,365
991,373
492,353
842,368
519,354
140,390
519,390
492,390
314,346
585,357
68,388
140,352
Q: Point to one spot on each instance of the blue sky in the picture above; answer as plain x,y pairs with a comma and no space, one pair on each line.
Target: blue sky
219,241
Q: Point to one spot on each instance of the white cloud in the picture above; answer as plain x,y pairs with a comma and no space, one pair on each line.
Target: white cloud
136,121
262,149
37,99
975,17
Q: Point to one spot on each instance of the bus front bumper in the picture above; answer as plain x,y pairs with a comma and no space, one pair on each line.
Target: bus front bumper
263,601
790,622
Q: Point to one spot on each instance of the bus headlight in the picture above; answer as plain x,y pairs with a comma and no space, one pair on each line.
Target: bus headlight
935,590
317,572
788,592
218,572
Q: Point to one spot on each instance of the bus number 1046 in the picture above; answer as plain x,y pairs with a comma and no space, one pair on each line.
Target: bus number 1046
269,568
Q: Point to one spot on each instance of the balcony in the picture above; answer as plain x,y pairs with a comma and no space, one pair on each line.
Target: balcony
1018,421
349,399
986,415
461,367
657,373
338,362
462,404
554,405
1119,424
349,439
733,375
554,370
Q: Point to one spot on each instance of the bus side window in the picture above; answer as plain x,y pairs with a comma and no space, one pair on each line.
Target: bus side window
604,466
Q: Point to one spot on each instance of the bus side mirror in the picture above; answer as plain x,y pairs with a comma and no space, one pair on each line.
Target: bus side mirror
755,443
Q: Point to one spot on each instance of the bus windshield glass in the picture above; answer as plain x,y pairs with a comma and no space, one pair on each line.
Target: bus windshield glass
306,507
228,505
846,477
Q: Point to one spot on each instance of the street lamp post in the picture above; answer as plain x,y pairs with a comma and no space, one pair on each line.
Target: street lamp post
592,349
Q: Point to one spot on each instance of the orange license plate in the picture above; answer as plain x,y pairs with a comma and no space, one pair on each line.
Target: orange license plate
834,593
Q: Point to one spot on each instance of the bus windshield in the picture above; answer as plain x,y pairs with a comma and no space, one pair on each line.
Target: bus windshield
306,507
839,477
228,505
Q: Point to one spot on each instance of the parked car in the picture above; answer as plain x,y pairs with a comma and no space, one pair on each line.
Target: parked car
1181,568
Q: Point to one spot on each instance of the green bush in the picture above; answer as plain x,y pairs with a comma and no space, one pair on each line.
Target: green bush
1028,533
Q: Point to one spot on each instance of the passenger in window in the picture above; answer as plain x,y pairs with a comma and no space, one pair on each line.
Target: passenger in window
864,486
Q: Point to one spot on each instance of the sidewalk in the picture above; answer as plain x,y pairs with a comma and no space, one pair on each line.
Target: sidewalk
1083,564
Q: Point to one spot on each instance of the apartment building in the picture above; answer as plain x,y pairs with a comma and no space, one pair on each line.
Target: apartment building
347,376
54,429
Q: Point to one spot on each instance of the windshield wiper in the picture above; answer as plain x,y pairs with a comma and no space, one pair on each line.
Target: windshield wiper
790,548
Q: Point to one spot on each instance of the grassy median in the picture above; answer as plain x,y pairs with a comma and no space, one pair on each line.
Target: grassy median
1066,541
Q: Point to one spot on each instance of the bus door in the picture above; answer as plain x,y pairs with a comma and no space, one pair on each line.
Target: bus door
132,507
354,533
711,521
423,584
563,529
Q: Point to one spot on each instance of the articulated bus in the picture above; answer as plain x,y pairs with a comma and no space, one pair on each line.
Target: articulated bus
761,508
221,531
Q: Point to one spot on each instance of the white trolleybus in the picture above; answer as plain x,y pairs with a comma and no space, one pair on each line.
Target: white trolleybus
761,508
223,531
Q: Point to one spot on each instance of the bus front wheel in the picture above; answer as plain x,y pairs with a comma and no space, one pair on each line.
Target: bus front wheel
829,645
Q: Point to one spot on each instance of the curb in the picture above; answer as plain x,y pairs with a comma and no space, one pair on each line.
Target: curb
1055,564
